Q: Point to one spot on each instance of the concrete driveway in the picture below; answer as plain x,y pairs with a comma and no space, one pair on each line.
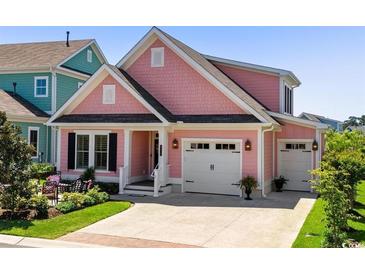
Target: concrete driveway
202,220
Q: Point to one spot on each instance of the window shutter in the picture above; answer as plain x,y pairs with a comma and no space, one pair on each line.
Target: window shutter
71,151
113,137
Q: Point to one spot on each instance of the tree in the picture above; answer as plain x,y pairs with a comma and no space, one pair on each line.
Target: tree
15,160
341,169
354,121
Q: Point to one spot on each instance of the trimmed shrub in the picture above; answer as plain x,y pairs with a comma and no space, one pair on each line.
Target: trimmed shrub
76,198
110,188
89,174
41,170
40,204
66,207
99,197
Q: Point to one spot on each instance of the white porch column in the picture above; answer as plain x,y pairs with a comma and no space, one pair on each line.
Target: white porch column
58,148
124,171
162,157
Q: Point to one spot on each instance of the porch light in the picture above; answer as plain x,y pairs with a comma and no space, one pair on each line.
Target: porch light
175,144
315,145
248,145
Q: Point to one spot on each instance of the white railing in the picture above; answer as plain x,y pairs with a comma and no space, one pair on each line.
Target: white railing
156,180
123,178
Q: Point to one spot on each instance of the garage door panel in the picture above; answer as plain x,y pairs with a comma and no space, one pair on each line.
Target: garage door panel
212,170
295,165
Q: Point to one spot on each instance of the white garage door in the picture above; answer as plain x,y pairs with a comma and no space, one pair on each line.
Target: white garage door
212,166
295,160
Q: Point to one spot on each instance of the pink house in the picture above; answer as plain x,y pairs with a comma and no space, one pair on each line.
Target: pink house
169,119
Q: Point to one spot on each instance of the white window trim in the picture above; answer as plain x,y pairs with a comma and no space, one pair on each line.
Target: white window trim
34,129
156,50
284,101
89,55
35,85
105,101
91,135
79,84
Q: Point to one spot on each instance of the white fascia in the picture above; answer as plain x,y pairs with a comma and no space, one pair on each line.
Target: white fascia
299,121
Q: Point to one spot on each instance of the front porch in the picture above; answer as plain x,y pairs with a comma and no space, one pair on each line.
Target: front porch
145,168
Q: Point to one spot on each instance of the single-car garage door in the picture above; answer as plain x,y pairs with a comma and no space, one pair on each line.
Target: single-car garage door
212,166
295,161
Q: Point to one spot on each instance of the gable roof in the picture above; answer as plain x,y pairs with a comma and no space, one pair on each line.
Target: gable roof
210,71
128,83
280,72
16,106
41,55
336,124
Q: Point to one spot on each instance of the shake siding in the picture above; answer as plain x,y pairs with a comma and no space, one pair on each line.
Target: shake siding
124,101
42,138
66,87
80,63
263,87
25,87
178,86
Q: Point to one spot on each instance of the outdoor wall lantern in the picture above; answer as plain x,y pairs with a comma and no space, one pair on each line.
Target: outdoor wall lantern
175,144
248,145
315,145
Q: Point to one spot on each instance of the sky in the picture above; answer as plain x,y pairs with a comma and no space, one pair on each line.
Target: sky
329,61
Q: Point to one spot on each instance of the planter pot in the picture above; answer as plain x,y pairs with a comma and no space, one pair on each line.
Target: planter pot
248,193
279,187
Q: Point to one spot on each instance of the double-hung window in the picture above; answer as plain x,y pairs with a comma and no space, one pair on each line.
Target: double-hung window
82,151
41,86
101,152
92,150
33,136
288,100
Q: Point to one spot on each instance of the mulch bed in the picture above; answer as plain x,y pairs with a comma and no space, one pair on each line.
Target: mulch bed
27,214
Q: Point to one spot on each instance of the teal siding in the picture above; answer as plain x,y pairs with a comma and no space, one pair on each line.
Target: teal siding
25,87
42,147
66,87
80,63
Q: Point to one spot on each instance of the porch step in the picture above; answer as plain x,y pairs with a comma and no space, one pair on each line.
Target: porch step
146,190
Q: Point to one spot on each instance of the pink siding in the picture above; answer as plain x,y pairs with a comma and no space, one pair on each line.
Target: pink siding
291,131
124,101
64,153
263,87
140,153
249,160
178,86
268,161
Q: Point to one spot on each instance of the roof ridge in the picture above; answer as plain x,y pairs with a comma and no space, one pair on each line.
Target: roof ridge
46,42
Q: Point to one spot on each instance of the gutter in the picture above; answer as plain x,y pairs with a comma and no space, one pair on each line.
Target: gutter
262,139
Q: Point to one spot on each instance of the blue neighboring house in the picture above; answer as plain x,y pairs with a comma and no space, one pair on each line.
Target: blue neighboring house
36,79
334,124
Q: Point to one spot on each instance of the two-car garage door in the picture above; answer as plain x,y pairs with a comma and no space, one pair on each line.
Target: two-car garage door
212,166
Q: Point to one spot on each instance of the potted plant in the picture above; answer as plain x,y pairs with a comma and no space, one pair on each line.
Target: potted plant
279,183
248,184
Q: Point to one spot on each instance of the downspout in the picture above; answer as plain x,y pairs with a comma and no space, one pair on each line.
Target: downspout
262,159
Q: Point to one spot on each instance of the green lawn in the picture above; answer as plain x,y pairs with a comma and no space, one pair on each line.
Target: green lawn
311,232
63,224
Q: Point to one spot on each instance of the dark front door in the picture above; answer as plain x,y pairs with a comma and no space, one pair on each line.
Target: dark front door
155,147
